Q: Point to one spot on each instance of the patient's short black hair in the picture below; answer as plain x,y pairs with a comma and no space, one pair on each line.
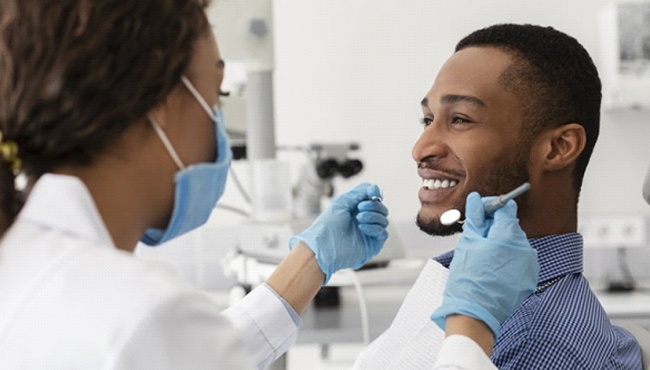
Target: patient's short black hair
553,75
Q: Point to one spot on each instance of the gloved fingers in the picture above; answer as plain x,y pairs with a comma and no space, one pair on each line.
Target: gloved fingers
506,225
373,191
372,218
372,206
475,214
374,231
509,210
352,198
474,207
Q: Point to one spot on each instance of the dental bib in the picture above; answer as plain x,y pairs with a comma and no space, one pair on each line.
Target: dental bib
412,341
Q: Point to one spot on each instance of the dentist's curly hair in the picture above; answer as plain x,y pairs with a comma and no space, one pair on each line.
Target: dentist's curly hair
553,75
74,74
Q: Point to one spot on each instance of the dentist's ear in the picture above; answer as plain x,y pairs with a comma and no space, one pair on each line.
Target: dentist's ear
160,113
560,147
169,110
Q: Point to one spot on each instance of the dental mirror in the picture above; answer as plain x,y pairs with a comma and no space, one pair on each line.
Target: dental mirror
450,217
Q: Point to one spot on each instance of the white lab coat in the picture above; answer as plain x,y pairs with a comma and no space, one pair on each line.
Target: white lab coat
70,300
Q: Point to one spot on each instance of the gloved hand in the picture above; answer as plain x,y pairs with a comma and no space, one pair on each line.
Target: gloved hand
494,268
349,233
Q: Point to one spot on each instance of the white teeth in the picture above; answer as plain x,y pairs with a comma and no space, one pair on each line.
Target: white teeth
433,184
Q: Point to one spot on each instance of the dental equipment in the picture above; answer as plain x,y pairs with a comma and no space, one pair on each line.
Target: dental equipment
452,216
316,179
378,198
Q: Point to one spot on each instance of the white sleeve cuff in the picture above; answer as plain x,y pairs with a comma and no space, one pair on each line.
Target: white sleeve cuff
266,328
294,315
459,352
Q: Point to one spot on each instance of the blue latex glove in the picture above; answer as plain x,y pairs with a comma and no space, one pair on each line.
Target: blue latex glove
494,268
349,233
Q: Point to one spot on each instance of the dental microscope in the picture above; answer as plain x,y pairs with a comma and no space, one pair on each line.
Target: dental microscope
327,161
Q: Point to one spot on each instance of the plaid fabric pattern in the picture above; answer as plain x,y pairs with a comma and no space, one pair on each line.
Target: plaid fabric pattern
562,325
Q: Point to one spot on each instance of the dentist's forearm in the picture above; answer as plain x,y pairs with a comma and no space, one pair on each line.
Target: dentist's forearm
472,328
298,277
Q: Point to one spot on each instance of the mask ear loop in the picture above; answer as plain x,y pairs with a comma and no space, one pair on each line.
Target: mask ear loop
165,141
198,97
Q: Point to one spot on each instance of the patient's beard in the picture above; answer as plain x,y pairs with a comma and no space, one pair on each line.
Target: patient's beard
503,178
434,227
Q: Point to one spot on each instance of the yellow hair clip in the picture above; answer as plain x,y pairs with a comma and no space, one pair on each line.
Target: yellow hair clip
9,152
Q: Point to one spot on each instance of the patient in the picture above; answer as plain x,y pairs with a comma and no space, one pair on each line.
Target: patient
518,103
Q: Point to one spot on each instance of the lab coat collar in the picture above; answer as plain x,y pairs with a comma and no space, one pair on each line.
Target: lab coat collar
64,203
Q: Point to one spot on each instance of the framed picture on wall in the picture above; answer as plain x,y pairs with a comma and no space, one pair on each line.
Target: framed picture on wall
625,44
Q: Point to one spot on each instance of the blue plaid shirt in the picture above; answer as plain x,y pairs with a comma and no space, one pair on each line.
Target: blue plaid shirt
562,325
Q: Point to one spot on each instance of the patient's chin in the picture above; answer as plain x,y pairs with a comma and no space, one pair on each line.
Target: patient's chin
434,227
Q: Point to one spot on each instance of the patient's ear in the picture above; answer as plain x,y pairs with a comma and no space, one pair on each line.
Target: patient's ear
560,147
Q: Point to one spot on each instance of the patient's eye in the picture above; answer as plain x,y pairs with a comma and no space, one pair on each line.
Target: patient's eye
426,121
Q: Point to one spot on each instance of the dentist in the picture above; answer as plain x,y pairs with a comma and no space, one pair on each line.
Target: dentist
111,134
108,136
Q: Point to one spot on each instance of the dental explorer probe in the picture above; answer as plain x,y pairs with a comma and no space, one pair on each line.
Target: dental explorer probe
378,198
452,216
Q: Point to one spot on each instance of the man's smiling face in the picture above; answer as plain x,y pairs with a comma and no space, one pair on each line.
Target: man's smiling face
472,139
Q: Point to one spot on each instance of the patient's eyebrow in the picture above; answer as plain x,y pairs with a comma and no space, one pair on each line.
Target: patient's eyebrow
453,98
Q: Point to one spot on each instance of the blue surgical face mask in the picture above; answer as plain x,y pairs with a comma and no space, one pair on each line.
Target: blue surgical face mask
197,187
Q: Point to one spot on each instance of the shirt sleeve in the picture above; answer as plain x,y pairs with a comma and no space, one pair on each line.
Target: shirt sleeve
459,352
266,327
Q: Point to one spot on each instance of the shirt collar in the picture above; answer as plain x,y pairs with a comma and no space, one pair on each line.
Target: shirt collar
63,203
558,255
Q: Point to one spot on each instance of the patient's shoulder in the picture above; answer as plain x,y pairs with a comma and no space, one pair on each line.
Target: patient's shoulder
564,324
